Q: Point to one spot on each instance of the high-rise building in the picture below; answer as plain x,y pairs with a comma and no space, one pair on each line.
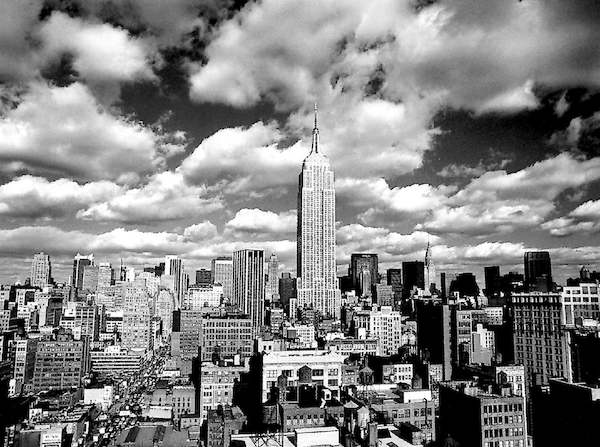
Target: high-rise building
136,320
287,290
272,293
59,363
492,280
384,325
394,279
413,275
90,278
429,270
538,271
225,336
105,275
79,263
41,270
317,286
249,284
222,273
174,270
364,272
203,277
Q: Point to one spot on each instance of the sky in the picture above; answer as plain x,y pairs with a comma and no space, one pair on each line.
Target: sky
134,129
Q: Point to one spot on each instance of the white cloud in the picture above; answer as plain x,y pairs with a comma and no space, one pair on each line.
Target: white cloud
17,19
583,219
166,196
34,197
102,53
261,223
65,130
200,231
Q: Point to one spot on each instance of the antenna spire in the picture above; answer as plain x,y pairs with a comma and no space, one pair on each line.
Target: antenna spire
315,134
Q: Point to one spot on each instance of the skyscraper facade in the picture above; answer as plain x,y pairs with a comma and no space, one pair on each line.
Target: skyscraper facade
429,270
249,284
538,271
364,272
174,269
79,264
317,286
413,275
222,273
41,270
273,278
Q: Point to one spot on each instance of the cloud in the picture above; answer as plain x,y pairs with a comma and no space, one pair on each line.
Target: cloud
262,223
36,197
65,130
200,231
102,54
166,196
583,219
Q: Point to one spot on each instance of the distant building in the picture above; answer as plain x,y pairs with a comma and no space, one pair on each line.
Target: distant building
79,264
114,361
203,277
348,346
90,278
394,279
105,275
429,271
287,290
41,270
384,295
59,363
222,273
364,272
538,271
201,296
384,325
272,285
176,278
413,275
226,336
249,284
492,280
136,320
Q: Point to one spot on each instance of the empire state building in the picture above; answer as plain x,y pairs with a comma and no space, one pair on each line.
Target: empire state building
317,284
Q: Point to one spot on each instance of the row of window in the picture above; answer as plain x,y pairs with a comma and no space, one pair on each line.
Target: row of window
499,408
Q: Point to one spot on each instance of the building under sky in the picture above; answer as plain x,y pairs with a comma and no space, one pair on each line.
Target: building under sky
316,267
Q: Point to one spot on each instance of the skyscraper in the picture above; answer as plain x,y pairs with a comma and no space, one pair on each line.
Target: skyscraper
79,263
316,267
413,275
394,279
249,283
364,272
538,271
429,270
174,269
41,270
272,278
105,275
492,280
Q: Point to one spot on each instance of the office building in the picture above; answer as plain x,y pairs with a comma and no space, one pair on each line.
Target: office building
580,303
202,296
136,320
24,361
434,331
190,322
538,271
81,319
222,273
163,308
384,295
41,270
384,325
351,345
105,275
79,264
413,276
287,290
90,278
203,277
217,385
272,286
492,280
176,280
317,286
364,272
429,271
394,279
249,284
59,363
114,361
226,336
477,416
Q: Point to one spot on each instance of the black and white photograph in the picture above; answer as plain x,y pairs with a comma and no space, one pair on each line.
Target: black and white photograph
299,223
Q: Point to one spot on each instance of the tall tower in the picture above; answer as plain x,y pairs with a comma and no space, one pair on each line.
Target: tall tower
249,284
316,268
272,288
429,270
79,263
41,270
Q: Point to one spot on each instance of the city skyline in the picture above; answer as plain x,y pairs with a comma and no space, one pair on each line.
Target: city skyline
187,147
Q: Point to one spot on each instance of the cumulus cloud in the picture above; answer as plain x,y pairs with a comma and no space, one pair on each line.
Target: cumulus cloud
166,196
36,197
262,223
102,54
200,231
583,219
65,130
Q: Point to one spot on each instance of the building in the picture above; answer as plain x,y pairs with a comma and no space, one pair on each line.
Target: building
413,275
90,278
580,303
223,422
287,290
492,280
325,369
384,325
384,295
79,264
397,373
317,286
114,361
41,270
249,284
356,346
477,416
364,272
203,277
222,273
163,308
227,336
24,361
136,320
190,323
81,319
272,286
59,363
300,336
217,385
538,271
541,343
434,334
429,270
394,279
175,274
202,296
105,275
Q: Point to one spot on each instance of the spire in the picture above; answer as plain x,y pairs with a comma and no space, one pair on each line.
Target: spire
315,135
427,254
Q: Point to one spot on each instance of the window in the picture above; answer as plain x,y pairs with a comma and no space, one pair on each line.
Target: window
317,372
